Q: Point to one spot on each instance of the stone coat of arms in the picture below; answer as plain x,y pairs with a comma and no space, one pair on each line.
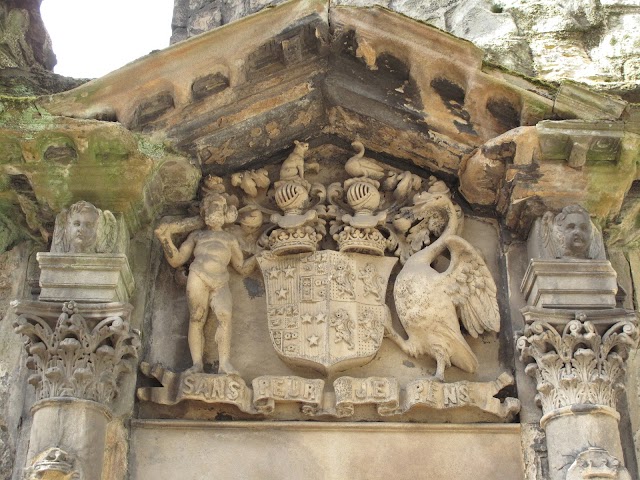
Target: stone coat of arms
326,310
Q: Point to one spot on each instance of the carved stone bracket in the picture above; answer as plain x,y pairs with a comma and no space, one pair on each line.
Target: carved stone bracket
579,360
82,353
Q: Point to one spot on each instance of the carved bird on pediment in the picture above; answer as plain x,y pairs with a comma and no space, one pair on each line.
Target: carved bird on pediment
361,166
431,304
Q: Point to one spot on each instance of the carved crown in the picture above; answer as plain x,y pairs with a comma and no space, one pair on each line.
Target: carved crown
369,241
289,241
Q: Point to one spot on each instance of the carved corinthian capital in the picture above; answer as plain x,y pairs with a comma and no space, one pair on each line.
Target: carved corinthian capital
580,360
82,354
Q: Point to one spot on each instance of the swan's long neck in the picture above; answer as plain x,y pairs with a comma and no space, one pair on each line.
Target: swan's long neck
359,147
431,252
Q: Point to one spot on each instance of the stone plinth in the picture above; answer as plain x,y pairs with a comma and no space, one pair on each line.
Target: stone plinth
570,284
85,277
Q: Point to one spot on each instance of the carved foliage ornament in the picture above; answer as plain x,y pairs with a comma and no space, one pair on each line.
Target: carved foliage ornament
75,359
577,364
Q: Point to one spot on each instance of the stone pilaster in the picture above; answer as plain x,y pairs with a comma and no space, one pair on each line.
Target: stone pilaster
578,361
76,358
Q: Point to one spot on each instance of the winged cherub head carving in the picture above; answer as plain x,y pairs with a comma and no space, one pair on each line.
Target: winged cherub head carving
571,234
83,228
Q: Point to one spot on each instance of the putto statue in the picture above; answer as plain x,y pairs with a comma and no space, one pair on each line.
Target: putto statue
569,234
213,250
83,228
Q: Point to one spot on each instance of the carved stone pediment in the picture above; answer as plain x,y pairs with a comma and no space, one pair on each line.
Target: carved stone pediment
326,245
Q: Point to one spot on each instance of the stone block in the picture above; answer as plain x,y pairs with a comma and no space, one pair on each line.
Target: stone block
85,277
329,451
570,283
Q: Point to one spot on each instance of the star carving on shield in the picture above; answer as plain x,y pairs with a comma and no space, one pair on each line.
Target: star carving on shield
321,317
282,293
313,340
306,318
289,272
274,272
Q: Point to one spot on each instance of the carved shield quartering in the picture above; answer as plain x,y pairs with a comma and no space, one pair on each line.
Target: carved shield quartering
326,310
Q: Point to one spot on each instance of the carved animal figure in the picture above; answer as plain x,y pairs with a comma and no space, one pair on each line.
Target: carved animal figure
293,167
361,166
372,282
344,326
428,302
344,279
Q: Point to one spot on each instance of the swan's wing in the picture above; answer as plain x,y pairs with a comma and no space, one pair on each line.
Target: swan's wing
472,288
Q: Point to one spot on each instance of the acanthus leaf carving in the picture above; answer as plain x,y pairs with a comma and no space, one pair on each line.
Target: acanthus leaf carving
577,363
74,358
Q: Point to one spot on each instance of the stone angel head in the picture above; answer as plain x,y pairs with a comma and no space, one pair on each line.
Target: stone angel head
83,228
570,234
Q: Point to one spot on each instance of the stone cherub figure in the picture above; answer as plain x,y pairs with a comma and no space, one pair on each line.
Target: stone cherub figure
213,250
83,228
569,234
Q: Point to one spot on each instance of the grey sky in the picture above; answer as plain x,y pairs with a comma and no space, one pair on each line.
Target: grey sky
94,37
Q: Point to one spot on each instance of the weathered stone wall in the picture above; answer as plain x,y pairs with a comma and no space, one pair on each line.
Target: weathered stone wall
26,55
12,373
589,41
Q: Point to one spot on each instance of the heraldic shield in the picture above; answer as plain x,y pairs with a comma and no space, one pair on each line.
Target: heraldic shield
326,310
